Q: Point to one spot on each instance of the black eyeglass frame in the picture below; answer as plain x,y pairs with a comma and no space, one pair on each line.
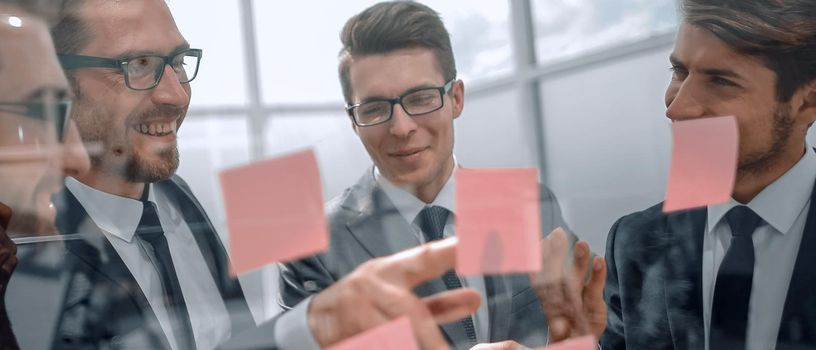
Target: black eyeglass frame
72,61
37,110
444,89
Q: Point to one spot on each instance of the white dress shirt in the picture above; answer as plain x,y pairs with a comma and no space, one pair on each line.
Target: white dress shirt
783,206
292,329
118,218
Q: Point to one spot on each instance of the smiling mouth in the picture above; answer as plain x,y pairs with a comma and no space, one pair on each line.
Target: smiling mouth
157,128
407,153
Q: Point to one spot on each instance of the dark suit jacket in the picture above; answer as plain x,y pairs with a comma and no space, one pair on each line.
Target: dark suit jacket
654,284
103,304
364,224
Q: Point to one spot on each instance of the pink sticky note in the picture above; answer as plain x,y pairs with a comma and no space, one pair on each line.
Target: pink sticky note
582,343
704,163
497,221
274,211
395,335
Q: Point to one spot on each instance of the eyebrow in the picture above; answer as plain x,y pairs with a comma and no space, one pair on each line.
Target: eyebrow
138,53
59,93
718,72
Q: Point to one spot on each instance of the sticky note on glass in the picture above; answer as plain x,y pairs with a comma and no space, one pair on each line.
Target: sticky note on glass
498,221
274,211
394,335
582,343
704,163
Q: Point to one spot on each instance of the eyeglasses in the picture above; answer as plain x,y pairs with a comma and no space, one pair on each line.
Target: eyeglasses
141,72
58,113
414,103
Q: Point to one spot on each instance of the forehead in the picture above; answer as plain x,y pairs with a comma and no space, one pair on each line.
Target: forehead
393,73
129,26
27,59
696,46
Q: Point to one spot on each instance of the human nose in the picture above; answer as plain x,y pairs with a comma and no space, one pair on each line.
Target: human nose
74,156
402,124
682,102
170,91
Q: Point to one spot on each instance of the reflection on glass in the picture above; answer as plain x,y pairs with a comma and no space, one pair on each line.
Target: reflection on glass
566,28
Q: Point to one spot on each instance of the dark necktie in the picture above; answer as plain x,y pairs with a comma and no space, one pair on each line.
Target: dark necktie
151,232
732,290
432,221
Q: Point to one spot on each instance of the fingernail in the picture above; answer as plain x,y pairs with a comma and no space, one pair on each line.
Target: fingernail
596,265
579,253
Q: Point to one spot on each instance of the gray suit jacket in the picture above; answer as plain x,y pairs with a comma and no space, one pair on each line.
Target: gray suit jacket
364,224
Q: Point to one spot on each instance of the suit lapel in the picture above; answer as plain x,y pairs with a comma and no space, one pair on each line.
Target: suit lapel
683,285
94,256
798,326
93,251
381,230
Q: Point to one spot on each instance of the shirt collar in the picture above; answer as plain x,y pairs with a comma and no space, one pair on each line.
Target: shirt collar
781,202
409,205
116,215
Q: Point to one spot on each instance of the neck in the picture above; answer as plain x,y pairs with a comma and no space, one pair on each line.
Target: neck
114,185
428,192
750,183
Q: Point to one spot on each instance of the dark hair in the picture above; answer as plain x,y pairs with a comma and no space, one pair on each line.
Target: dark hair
70,34
782,33
391,26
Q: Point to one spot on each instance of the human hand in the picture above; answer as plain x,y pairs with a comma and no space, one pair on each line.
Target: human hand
573,306
381,290
8,251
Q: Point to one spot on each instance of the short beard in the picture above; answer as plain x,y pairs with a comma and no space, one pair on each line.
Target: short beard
137,170
117,156
758,163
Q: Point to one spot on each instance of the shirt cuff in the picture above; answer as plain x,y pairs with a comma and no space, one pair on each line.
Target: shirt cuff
292,329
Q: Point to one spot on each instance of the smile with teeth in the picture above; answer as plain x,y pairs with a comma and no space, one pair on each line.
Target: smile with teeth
156,128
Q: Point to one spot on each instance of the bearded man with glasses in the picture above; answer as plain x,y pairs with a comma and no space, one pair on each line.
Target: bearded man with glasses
148,269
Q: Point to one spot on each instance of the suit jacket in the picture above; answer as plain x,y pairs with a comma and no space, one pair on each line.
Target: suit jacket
103,305
654,284
364,224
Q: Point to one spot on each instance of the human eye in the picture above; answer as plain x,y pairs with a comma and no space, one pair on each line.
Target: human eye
678,72
423,97
718,80
372,109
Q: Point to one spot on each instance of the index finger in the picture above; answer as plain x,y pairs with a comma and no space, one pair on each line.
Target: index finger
414,266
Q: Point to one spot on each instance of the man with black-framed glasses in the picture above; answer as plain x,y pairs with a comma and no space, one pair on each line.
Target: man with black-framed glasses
149,269
402,96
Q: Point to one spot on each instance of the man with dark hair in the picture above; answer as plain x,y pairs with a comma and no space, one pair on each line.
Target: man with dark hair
738,275
399,53
150,269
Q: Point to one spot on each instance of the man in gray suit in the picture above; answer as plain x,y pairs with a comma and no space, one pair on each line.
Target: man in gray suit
399,53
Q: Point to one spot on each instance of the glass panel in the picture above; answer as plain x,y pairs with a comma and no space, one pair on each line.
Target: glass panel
610,157
483,132
341,157
567,28
222,77
302,68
